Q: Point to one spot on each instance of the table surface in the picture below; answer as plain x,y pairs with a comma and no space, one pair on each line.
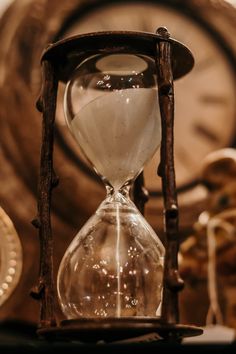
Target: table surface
22,338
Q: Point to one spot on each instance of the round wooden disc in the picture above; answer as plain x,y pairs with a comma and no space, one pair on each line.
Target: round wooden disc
115,329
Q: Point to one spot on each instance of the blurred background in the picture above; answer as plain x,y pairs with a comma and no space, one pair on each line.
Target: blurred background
205,122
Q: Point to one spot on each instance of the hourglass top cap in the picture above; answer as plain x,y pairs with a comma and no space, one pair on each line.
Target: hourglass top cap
68,53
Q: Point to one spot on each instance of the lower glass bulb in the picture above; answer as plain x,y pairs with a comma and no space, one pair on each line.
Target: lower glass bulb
114,265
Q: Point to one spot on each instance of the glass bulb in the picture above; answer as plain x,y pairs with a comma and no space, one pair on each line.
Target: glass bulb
114,265
111,106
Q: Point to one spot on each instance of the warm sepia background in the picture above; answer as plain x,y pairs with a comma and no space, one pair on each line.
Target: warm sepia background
205,122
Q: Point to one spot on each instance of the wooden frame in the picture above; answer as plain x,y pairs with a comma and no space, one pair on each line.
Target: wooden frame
56,66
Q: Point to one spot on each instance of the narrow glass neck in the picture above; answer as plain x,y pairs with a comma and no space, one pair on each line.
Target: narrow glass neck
124,191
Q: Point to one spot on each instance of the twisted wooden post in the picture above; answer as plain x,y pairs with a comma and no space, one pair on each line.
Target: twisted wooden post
47,181
171,281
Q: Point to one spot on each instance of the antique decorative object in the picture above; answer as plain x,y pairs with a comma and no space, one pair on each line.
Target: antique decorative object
208,255
10,257
113,80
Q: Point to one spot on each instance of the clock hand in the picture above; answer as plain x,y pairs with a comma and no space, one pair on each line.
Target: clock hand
213,99
206,133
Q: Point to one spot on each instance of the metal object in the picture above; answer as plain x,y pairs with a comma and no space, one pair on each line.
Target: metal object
58,61
10,257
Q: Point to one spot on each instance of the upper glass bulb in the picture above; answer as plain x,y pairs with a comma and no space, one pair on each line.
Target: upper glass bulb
111,107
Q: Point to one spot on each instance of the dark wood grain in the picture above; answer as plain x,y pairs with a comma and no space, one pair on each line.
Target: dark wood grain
171,281
46,104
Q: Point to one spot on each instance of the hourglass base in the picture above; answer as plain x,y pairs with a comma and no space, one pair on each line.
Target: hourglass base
118,329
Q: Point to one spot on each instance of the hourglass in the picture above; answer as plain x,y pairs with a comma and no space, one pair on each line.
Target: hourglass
113,276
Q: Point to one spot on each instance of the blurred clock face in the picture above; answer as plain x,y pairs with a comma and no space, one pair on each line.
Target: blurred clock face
204,99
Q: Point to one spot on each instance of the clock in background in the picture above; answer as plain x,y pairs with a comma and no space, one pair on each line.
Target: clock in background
205,110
